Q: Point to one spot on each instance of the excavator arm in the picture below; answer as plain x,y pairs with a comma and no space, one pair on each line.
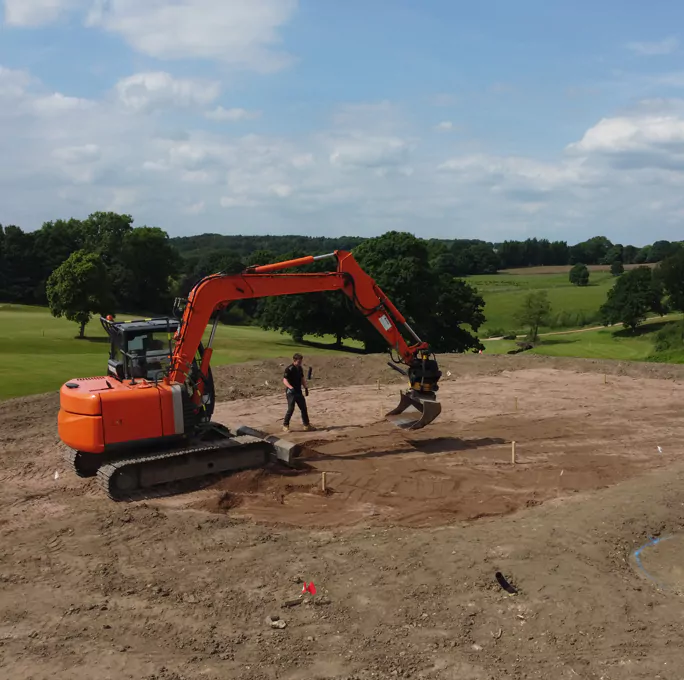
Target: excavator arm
215,292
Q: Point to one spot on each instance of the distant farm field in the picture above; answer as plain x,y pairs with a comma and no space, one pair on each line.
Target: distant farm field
565,269
572,306
38,352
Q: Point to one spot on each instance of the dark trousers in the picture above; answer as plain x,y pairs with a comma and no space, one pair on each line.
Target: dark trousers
295,397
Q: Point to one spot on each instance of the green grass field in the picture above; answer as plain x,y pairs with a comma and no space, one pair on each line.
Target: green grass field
572,306
608,343
38,352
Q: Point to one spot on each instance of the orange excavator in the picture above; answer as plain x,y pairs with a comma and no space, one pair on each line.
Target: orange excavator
148,422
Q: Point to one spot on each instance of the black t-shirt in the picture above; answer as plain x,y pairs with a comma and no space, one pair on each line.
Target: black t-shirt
294,375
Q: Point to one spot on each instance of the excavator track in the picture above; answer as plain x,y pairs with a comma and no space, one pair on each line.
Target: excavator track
161,474
83,464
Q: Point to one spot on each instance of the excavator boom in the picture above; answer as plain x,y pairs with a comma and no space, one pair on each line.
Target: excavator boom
166,421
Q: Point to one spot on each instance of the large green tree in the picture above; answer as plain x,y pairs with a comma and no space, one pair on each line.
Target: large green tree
634,295
315,314
671,275
534,312
19,266
579,274
437,306
79,288
147,262
104,233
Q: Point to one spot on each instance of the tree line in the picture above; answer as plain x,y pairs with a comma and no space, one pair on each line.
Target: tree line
460,257
103,264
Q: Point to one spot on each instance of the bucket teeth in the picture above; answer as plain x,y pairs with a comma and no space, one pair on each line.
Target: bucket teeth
414,412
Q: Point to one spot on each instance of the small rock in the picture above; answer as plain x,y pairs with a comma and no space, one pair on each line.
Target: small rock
275,621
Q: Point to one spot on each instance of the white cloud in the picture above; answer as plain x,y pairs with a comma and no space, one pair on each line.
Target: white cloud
304,160
32,13
633,133
364,172
235,32
196,208
232,115
159,90
237,202
77,154
660,47
444,126
365,151
56,103
14,83
670,80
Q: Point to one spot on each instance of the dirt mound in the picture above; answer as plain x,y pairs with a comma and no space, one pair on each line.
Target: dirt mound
460,467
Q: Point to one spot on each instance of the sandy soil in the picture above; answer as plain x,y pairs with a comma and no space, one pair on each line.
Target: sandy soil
403,549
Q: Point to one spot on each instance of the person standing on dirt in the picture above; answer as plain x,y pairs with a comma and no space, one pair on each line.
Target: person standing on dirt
294,380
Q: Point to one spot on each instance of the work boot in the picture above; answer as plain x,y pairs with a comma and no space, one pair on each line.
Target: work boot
309,428
286,428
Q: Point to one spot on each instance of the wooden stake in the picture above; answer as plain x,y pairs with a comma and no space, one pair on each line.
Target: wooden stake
516,403
513,453
605,380
377,384
323,482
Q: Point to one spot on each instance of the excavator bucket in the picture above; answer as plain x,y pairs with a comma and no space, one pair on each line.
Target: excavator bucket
414,412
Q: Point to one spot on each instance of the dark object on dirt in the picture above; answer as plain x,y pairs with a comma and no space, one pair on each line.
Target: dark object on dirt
505,584
291,603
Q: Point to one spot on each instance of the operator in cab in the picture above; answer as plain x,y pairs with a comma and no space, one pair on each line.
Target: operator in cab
294,381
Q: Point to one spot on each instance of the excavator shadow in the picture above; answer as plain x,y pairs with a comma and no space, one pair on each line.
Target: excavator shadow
295,469
436,445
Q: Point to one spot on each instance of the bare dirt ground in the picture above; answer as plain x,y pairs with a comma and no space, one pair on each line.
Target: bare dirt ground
403,548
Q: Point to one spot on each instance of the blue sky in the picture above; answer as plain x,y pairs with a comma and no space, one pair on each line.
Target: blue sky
492,120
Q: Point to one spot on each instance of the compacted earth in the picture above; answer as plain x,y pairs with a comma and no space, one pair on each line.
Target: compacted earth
432,553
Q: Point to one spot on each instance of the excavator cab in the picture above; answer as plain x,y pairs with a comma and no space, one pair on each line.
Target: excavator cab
140,349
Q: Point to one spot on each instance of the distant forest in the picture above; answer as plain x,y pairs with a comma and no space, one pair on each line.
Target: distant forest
467,256
146,268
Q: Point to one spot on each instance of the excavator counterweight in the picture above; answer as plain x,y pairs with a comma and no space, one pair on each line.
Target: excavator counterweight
147,424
